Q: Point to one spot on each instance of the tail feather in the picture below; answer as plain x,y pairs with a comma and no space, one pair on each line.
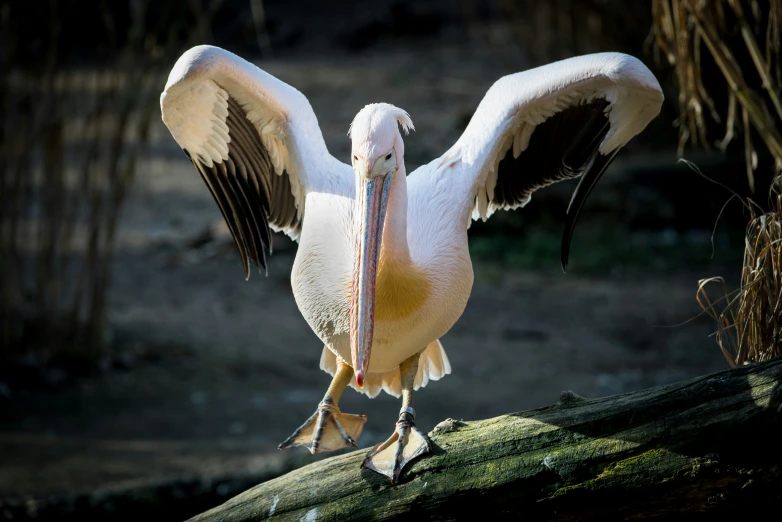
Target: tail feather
433,365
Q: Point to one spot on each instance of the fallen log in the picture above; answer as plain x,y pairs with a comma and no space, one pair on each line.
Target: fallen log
701,446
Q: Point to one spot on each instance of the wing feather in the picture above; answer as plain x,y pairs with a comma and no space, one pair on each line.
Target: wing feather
255,142
560,121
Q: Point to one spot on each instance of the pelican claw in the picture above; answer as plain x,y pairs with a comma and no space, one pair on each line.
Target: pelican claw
407,443
328,429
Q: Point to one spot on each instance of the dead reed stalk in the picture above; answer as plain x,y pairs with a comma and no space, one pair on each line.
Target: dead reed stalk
738,41
742,38
749,322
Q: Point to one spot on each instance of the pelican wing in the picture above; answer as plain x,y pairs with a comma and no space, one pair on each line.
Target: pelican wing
256,143
560,121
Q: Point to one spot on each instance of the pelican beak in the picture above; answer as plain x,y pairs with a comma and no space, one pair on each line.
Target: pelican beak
372,201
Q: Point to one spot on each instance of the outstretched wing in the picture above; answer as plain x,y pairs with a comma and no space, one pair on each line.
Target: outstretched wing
560,121
256,143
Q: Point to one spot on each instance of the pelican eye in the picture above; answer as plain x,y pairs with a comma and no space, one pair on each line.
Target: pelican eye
355,158
388,157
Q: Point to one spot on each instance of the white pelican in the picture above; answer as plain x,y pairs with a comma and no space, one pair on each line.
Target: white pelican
382,269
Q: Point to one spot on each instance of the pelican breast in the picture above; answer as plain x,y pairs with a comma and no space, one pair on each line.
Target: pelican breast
401,289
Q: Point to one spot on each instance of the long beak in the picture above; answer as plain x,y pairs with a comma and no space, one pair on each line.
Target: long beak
372,196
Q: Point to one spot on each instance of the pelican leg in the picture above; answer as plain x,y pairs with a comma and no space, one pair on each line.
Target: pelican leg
329,429
407,442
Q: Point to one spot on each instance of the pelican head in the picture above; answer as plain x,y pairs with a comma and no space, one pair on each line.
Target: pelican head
377,154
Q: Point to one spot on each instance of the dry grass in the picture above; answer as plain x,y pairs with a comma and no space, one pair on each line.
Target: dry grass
739,39
729,34
749,327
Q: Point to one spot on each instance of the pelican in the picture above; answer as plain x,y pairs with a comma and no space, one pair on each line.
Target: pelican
382,270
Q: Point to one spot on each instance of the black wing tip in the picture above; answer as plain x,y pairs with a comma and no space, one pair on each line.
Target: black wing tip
565,248
245,265
240,187
567,233
584,188
262,269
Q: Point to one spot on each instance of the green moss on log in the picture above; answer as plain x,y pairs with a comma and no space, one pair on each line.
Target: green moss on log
698,446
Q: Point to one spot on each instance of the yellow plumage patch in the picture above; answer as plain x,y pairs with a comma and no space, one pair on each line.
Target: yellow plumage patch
401,289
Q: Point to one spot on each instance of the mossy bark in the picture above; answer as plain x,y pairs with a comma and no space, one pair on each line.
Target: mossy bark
702,446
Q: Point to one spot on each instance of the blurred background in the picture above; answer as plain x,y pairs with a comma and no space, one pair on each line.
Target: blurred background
140,374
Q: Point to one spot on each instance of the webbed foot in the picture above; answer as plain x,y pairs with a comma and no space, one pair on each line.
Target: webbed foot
327,430
407,443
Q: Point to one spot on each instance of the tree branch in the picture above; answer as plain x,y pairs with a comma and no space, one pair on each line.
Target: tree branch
703,445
